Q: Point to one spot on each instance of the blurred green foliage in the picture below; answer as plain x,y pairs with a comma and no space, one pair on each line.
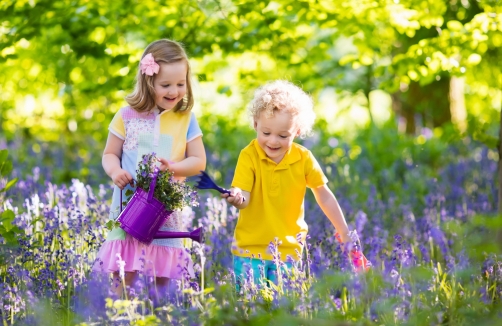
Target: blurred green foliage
65,67
8,230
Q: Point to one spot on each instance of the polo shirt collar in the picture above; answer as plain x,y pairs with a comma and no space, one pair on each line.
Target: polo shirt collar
292,155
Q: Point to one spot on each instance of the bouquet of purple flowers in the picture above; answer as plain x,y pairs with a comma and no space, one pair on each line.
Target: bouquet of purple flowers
174,194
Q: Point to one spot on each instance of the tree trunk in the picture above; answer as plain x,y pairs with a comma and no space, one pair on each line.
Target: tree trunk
500,166
500,160
457,103
404,114
499,207
431,102
368,88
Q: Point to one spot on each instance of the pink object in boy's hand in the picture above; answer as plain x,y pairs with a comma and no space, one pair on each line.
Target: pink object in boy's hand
360,262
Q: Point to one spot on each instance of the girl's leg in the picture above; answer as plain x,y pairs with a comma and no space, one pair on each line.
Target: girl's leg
118,285
160,290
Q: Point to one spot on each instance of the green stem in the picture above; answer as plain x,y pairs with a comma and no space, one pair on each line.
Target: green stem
124,289
68,303
202,280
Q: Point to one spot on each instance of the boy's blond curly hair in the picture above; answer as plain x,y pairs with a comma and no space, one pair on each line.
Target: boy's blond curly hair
287,97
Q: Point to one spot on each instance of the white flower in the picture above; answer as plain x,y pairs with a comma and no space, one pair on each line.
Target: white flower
121,265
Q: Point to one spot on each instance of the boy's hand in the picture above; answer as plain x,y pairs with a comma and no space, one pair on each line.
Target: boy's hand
359,261
235,198
122,178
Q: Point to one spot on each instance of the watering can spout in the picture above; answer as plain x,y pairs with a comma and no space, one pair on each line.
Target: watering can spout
195,235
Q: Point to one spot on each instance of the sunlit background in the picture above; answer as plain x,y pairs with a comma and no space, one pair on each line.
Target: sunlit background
408,96
67,66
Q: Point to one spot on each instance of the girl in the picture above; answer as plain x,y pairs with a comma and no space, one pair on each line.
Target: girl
158,119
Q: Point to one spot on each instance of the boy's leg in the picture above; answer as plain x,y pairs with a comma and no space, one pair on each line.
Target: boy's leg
271,270
241,270
244,267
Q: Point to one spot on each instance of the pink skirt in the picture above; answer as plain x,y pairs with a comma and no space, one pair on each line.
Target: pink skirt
153,260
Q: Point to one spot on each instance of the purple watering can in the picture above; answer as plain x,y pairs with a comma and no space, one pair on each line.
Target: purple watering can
144,215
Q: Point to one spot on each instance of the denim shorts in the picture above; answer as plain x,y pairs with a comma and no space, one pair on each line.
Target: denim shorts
262,270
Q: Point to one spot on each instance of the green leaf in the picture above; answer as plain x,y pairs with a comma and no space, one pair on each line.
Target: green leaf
486,139
3,155
41,220
8,185
112,224
8,230
346,59
474,59
6,219
224,90
10,237
454,25
5,165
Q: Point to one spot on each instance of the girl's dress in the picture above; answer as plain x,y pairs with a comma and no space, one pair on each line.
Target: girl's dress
165,134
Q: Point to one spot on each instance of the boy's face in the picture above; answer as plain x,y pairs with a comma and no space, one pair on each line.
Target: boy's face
275,135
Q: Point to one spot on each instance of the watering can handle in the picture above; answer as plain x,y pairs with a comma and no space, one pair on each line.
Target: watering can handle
150,192
152,185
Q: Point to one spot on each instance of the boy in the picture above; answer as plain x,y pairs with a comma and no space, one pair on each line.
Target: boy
270,182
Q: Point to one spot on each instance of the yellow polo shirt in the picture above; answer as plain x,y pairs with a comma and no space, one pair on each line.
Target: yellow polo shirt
276,206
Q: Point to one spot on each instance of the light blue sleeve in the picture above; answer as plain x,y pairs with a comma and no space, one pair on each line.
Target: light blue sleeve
193,129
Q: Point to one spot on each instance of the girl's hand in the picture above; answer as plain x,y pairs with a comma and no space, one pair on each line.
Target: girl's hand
121,178
235,198
165,164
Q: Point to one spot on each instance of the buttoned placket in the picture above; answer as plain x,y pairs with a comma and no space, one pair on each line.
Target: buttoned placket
274,188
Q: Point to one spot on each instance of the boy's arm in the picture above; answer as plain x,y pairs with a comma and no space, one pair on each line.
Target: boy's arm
243,177
329,205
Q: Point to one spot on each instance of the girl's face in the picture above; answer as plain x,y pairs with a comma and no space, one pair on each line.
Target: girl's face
275,135
170,84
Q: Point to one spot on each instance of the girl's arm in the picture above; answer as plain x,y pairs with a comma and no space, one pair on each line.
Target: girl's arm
194,162
329,205
111,162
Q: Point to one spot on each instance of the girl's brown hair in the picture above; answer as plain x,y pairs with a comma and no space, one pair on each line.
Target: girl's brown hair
143,96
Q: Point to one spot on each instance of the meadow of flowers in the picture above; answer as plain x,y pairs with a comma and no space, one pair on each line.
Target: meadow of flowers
431,237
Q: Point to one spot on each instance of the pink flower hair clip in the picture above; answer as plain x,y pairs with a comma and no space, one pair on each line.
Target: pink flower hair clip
148,66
